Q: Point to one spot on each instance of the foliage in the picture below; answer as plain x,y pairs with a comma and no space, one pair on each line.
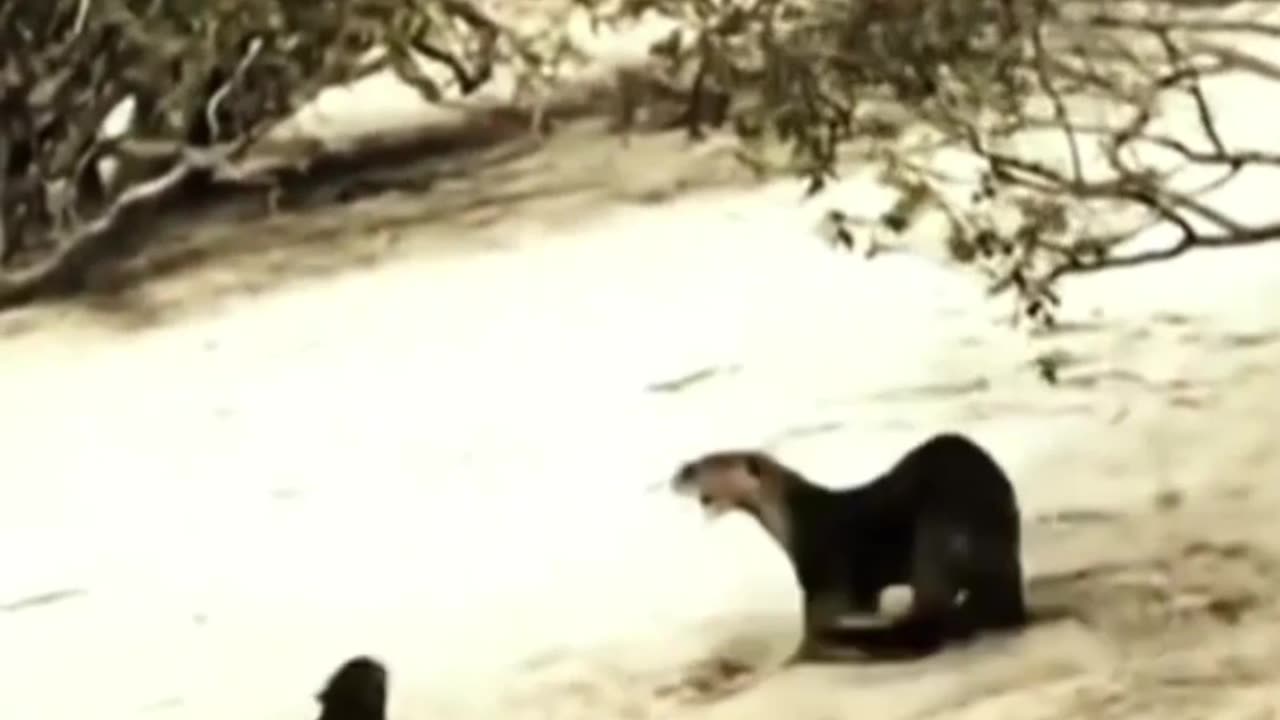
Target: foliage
202,79
1064,104
885,83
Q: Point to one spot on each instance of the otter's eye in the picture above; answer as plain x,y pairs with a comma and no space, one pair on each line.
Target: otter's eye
753,466
705,499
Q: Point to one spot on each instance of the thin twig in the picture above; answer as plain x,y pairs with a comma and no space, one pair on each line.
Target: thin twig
5,144
82,14
215,100
1059,106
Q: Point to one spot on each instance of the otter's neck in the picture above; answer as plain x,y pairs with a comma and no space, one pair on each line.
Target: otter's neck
794,505
823,510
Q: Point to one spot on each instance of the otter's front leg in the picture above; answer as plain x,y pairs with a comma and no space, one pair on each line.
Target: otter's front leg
821,611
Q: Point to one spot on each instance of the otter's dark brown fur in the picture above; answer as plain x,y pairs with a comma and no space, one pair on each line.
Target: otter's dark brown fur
944,520
357,690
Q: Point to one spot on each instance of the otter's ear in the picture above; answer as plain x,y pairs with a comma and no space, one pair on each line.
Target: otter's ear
755,465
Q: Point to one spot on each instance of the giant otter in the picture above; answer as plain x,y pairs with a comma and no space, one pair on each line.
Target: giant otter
944,520
357,690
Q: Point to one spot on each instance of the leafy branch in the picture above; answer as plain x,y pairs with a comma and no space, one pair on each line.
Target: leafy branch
862,81
172,92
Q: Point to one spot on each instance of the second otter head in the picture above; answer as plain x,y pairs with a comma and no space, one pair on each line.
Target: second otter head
356,691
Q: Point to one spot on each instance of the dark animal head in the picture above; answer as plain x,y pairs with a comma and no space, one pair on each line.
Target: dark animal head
746,480
722,481
356,691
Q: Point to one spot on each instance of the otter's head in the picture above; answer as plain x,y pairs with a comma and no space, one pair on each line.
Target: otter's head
745,480
356,691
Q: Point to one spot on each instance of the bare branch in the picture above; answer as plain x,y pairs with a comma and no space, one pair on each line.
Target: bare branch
1059,107
5,153
80,248
1237,59
1187,242
215,100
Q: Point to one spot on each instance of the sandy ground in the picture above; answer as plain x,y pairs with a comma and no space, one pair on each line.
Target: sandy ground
450,462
